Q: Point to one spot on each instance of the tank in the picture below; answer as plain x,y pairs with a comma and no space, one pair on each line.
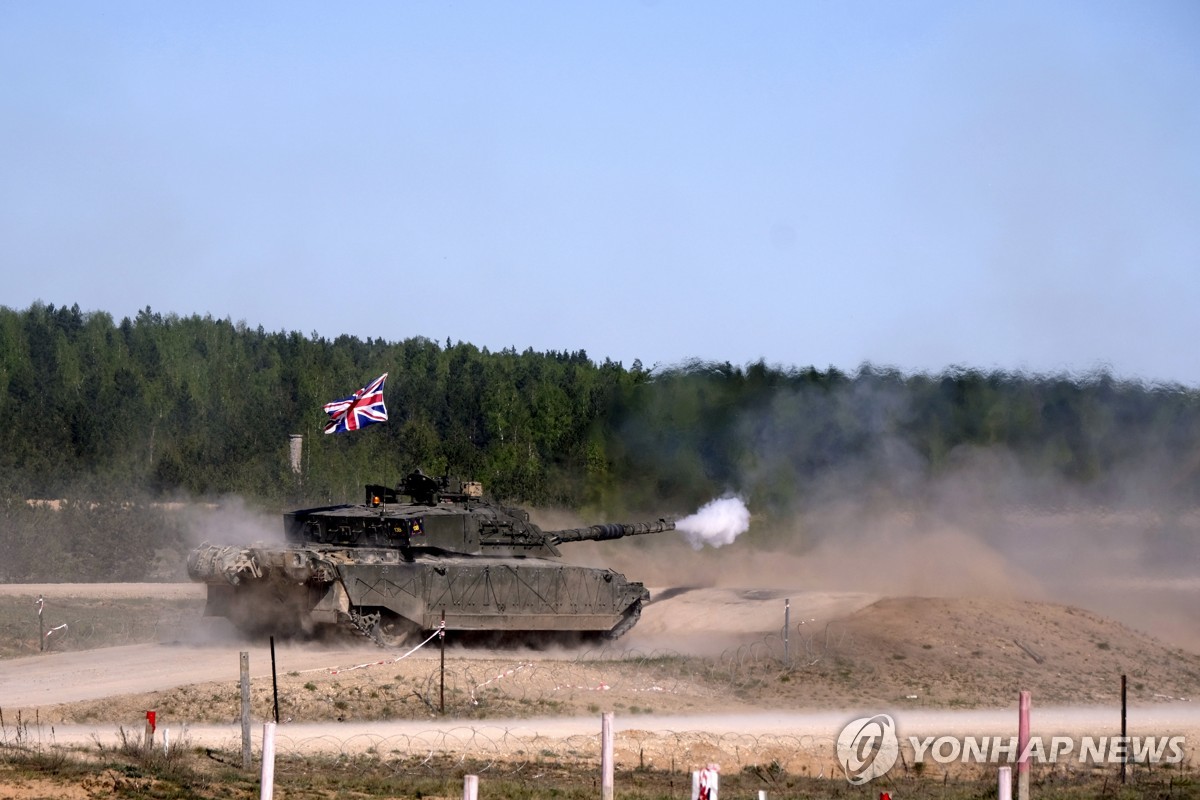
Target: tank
429,550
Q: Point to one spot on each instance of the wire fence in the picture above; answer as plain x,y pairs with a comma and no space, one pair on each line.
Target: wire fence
516,750
473,685
507,750
547,747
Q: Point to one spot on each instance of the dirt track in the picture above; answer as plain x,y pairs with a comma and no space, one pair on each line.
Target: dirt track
56,678
208,652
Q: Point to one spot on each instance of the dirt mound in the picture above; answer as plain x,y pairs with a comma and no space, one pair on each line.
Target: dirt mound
980,652
708,621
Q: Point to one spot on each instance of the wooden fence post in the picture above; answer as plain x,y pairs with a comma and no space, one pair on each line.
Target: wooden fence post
247,755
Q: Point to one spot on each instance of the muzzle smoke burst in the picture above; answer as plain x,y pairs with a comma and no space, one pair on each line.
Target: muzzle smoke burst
716,524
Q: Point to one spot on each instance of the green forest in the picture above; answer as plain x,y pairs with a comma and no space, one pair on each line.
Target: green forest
112,418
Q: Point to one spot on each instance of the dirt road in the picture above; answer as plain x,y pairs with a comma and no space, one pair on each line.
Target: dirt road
56,678
209,651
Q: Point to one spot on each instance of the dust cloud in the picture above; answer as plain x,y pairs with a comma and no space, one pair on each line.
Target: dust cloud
231,522
1124,545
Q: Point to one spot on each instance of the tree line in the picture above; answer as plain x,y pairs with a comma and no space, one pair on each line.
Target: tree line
163,406
166,405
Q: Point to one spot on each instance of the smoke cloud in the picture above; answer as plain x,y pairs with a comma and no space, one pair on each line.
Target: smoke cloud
716,524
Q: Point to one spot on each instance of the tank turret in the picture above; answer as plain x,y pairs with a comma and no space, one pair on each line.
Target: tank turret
394,565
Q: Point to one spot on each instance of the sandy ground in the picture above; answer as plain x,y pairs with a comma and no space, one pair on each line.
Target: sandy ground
902,653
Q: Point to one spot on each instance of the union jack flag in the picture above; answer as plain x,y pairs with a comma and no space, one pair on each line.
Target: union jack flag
364,407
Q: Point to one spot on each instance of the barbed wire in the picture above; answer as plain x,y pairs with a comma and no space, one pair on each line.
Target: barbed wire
525,684
513,750
498,749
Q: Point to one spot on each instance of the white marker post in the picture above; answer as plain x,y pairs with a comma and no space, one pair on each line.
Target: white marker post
1023,748
151,724
1005,784
268,762
606,756
705,783
470,787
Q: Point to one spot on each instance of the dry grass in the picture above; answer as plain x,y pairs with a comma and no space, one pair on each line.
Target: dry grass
91,622
203,773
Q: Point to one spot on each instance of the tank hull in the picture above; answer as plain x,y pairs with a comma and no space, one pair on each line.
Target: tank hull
299,589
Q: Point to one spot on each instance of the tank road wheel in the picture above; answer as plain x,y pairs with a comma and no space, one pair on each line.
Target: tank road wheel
628,621
385,628
395,631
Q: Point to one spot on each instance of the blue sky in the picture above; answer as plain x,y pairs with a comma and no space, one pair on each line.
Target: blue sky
926,184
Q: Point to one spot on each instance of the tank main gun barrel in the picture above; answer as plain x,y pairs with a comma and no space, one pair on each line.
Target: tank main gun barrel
614,530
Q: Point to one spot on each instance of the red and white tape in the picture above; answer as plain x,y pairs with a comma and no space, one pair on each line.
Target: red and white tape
336,670
512,671
600,687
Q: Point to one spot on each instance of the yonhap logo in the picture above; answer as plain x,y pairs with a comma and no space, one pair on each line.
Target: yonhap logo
868,747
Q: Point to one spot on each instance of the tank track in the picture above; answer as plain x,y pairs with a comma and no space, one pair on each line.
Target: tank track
364,625
368,626
628,621
380,630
